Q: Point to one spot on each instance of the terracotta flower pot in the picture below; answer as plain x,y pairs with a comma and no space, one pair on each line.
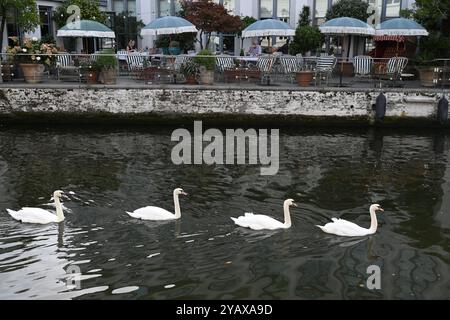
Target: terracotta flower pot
304,78
92,77
32,72
426,76
191,80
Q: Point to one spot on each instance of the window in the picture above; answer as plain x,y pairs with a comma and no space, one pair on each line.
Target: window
45,15
266,9
321,8
283,8
393,8
118,6
165,7
132,7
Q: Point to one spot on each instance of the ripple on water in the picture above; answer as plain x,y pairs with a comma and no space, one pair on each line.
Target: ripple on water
125,290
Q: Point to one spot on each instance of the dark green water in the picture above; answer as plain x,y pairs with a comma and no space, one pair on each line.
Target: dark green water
330,173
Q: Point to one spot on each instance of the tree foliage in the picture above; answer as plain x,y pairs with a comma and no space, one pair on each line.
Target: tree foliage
434,16
210,17
89,10
306,37
27,15
349,8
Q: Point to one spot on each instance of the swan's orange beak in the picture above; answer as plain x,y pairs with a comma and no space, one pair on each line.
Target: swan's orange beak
381,209
294,204
184,193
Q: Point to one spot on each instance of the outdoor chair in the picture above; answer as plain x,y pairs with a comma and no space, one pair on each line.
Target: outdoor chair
362,66
223,64
135,62
394,69
289,67
324,68
179,61
65,67
265,65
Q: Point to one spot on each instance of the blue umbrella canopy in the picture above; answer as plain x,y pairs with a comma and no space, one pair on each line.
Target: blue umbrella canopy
85,29
268,27
346,26
168,25
401,27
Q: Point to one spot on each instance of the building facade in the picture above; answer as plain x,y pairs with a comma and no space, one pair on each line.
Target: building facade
286,10
47,27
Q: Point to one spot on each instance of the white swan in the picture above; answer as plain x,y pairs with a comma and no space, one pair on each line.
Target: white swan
156,213
260,222
345,228
38,215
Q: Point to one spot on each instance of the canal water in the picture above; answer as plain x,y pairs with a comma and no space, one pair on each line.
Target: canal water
329,172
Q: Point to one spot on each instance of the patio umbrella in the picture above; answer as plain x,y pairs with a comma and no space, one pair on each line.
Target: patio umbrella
346,26
400,27
268,27
86,29
168,25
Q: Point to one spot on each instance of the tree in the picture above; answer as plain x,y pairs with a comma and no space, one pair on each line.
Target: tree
27,17
306,37
434,16
89,10
210,17
349,8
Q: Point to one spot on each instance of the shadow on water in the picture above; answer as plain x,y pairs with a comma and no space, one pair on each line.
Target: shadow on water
330,172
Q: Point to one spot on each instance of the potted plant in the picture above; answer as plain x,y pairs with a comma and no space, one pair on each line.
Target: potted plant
163,42
190,70
304,76
91,71
207,64
424,64
107,63
32,57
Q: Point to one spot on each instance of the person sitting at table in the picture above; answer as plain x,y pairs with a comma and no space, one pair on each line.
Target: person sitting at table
130,46
255,49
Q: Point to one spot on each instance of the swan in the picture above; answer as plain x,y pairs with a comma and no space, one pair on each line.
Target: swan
260,222
38,215
345,228
156,213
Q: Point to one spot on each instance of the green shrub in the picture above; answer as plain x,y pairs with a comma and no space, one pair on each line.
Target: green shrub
107,59
205,59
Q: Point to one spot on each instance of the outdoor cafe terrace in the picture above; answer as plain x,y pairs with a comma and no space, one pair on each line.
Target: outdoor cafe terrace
271,71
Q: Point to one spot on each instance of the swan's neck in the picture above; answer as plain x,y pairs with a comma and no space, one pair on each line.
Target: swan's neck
59,210
373,221
177,206
287,216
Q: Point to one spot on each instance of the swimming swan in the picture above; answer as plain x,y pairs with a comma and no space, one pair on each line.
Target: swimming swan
345,228
260,222
156,213
38,215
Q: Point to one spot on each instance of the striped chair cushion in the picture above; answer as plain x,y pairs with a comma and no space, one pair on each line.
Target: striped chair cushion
179,60
326,63
64,60
264,64
289,64
135,60
225,63
362,65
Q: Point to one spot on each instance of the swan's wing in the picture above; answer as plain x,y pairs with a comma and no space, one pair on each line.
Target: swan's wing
258,222
152,213
343,227
33,215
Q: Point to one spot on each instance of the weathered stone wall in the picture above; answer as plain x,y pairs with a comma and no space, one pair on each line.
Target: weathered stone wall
221,104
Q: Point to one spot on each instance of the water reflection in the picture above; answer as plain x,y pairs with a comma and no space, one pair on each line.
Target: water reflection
330,173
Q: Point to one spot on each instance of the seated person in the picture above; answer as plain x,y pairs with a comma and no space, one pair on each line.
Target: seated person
255,49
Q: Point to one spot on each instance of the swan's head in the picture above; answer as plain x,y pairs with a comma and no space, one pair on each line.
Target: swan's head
376,207
290,202
58,194
179,191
